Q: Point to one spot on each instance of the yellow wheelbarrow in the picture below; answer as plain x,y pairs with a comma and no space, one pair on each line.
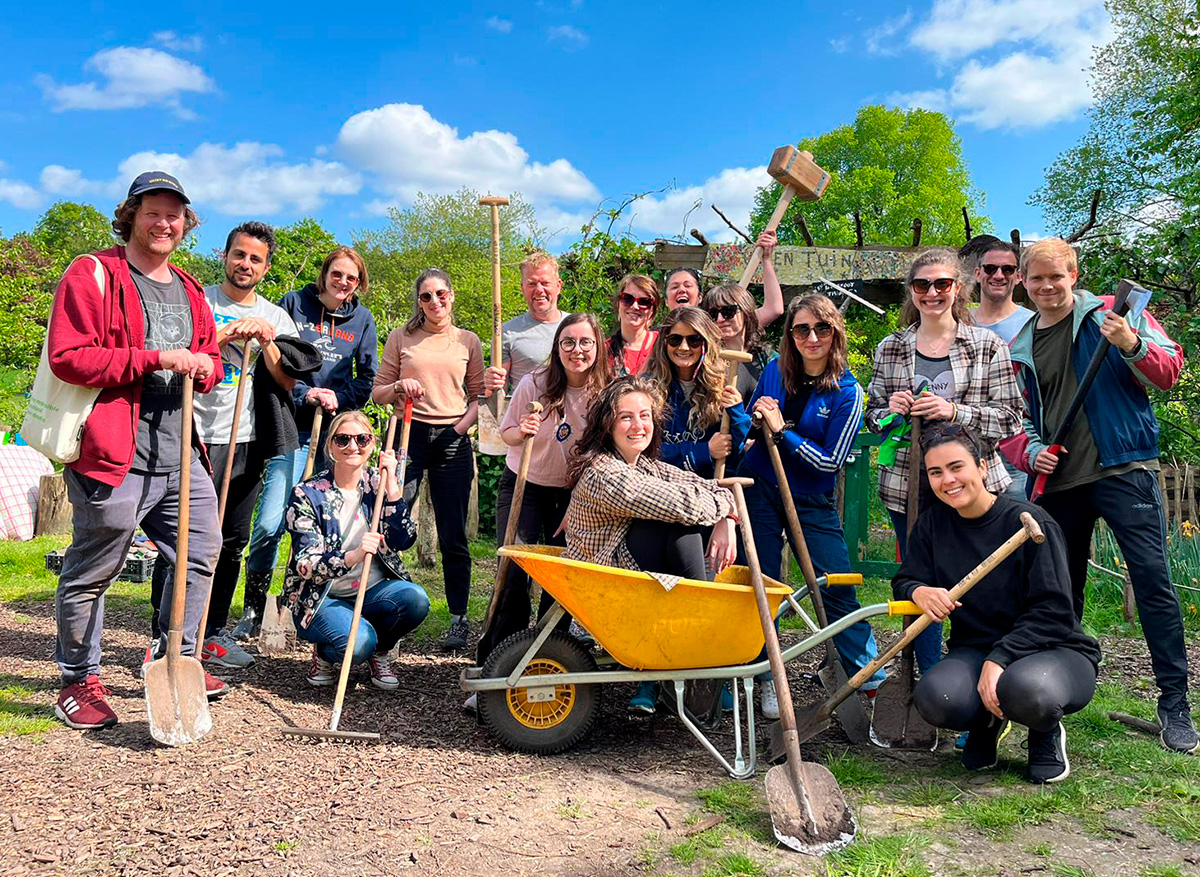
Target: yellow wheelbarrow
539,690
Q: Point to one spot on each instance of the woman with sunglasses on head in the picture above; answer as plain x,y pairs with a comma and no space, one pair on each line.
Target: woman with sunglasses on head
630,510
575,373
736,317
329,519
440,367
945,370
813,406
629,347
686,363
1017,652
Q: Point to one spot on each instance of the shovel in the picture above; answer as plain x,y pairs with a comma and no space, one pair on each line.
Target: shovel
491,408
278,629
817,722
176,701
897,724
832,674
809,813
332,732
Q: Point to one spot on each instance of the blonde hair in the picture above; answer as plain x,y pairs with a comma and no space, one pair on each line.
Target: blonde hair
536,260
1050,249
356,416
710,373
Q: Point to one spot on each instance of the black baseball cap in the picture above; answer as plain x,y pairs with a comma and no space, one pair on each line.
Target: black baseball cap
157,181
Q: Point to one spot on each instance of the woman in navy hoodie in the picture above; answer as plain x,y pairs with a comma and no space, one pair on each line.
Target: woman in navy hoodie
814,407
331,318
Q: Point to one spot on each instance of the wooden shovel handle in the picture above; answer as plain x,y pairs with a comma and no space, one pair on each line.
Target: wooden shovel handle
179,592
731,369
314,439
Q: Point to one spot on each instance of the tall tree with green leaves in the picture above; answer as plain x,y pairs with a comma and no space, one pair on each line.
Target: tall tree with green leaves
892,166
300,248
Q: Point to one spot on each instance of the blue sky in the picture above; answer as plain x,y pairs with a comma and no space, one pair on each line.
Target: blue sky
273,112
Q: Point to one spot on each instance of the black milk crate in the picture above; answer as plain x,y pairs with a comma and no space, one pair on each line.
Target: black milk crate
139,564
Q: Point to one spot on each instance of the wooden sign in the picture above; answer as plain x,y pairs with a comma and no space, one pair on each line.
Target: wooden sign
805,266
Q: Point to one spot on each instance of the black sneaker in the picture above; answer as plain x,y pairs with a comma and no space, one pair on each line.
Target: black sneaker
1178,733
981,749
1048,755
456,636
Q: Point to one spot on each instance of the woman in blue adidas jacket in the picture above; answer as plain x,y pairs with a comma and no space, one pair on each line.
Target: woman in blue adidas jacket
814,405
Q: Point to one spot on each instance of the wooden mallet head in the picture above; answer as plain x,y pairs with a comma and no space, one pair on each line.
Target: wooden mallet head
732,358
1032,528
795,168
493,201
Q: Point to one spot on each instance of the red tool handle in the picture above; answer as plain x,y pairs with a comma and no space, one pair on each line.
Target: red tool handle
1039,483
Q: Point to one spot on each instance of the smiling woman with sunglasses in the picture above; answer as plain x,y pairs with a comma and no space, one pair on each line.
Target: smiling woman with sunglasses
440,367
944,370
737,319
636,303
329,521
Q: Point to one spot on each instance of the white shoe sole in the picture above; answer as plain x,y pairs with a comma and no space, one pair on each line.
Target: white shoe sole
1062,742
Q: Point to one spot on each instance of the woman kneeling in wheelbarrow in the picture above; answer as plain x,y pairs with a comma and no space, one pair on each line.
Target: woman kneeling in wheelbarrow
1017,652
328,519
631,510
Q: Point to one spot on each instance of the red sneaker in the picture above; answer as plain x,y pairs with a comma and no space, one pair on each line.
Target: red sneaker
214,687
81,705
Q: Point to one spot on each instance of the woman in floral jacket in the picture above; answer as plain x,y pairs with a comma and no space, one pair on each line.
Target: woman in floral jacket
329,522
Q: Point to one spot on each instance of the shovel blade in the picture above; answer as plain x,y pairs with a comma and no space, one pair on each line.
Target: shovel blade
490,442
278,628
833,825
176,701
897,724
850,713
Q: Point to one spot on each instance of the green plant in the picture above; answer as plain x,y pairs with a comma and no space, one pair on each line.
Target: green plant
896,855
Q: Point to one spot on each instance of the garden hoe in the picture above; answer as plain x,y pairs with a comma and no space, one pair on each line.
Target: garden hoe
897,724
832,674
332,732
816,722
176,700
809,813
801,178
278,628
733,358
491,408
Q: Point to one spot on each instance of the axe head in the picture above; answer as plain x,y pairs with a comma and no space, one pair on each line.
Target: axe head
797,169
1130,300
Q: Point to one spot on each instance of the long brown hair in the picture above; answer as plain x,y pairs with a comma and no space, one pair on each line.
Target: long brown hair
644,283
359,265
550,379
947,258
418,316
754,340
602,419
709,377
791,363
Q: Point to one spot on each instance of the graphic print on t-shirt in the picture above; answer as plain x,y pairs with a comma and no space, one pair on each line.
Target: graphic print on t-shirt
168,327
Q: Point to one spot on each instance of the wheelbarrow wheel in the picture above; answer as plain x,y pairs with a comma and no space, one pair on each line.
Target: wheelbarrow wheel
527,720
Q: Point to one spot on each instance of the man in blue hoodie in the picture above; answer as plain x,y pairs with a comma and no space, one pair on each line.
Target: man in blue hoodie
329,316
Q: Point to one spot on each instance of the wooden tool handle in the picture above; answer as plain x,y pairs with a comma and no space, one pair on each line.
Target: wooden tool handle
732,359
793,519
233,432
785,199
914,475
179,592
314,440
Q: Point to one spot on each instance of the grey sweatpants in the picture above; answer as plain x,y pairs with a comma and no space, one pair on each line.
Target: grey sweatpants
105,519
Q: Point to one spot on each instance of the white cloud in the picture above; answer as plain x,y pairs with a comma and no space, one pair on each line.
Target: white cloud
568,36
498,24
20,194
409,151
169,39
132,78
882,39
732,190
960,28
935,100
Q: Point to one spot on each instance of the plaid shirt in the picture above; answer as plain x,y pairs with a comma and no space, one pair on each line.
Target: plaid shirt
611,493
985,391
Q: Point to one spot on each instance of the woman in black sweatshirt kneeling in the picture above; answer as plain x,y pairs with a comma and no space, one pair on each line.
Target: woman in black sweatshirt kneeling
1016,650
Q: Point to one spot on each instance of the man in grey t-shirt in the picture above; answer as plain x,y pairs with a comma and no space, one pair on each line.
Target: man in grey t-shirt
527,339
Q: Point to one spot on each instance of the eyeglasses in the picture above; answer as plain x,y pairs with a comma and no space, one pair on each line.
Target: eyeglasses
566,345
635,302
693,341
920,284
801,331
1008,270
726,311
342,439
427,297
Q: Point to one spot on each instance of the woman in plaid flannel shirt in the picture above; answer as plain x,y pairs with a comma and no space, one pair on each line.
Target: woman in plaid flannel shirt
962,374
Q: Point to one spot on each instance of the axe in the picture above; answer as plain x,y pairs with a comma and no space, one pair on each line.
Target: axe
801,178
1129,302
491,408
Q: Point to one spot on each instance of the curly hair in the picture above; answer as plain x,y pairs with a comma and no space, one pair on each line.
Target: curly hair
126,213
709,376
754,340
597,438
947,258
791,363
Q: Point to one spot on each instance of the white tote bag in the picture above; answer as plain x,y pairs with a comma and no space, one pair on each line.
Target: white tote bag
57,410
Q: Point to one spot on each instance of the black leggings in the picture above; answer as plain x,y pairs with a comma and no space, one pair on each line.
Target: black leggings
674,549
1035,691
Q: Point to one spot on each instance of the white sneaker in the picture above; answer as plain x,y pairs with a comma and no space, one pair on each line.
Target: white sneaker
382,675
471,705
767,700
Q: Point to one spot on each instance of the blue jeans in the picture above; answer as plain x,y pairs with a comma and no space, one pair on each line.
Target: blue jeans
283,473
390,609
927,647
827,545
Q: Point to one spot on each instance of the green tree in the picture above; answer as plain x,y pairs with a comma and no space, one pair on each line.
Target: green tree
593,266
891,165
68,229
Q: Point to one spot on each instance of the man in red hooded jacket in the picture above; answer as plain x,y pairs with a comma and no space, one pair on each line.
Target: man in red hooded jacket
134,339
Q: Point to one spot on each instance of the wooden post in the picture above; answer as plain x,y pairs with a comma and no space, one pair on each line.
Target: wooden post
426,529
804,232
1191,491
473,508
1015,237
858,232
54,509
1178,492
916,227
966,223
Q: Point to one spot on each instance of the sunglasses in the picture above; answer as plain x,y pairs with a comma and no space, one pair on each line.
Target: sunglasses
342,439
693,341
942,284
635,302
801,331
442,295
726,311
566,345
1007,270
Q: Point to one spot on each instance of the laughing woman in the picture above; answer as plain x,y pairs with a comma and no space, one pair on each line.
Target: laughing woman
629,347
1017,652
